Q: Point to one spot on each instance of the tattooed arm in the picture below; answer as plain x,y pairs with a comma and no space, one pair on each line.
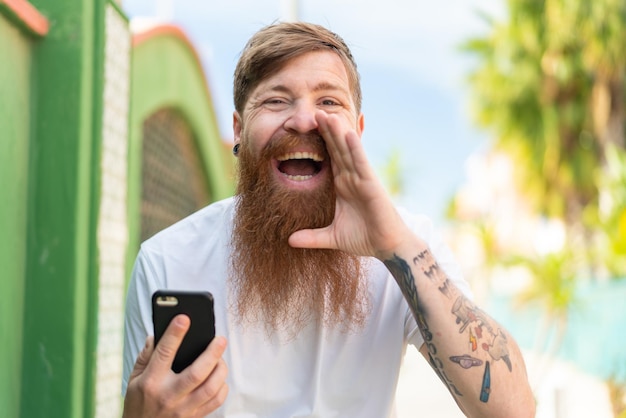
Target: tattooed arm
474,356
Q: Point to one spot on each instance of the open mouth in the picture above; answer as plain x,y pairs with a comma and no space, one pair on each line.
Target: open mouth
300,166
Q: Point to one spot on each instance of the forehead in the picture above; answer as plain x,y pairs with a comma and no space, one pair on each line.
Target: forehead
314,70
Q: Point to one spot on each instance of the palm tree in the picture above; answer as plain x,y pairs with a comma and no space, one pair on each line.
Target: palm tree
550,88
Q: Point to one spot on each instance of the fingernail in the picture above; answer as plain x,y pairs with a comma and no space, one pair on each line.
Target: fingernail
181,320
221,341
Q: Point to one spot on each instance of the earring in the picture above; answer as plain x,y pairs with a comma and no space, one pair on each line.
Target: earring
236,149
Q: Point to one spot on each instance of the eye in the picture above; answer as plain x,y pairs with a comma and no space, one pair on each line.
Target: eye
275,103
329,102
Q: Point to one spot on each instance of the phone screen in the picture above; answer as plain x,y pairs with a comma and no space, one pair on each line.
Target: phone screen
198,306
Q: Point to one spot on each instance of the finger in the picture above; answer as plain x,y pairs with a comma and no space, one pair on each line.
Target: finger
143,358
331,130
196,373
205,378
211,392
312,238
167,347
343,143
214,402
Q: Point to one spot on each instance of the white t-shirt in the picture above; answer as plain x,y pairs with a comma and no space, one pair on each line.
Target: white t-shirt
319,373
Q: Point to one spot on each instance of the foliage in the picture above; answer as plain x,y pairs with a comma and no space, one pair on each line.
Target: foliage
612,212
553,282
550,87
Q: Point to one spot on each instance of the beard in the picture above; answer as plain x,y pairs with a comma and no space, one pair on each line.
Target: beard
283,287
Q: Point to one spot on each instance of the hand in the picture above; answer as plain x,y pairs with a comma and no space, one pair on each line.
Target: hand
366,221
154,390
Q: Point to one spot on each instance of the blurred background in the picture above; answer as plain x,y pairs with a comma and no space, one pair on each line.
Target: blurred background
502,120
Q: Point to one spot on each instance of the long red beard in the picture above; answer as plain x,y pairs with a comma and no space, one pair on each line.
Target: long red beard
283,287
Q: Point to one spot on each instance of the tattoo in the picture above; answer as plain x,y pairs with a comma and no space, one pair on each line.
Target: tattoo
466,313
430,268
486,386
468,316
498,349
401,271
437,366
445,289
473,341
466,361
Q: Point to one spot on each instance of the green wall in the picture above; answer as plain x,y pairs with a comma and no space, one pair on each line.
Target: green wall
15,104
51,111
60,305
166,73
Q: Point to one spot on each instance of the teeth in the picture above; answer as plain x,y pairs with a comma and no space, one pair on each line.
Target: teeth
298,178
301,156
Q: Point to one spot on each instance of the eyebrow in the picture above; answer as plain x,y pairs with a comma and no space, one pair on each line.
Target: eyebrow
329,86
322,86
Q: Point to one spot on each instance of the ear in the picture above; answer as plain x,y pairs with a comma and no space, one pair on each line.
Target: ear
237,127
360,124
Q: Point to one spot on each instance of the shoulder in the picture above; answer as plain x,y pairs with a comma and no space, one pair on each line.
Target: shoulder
212,222
426,229
419,223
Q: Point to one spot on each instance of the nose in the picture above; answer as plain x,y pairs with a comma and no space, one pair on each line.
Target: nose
302,119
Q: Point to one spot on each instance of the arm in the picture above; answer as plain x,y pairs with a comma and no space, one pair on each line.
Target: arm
487,382
472,354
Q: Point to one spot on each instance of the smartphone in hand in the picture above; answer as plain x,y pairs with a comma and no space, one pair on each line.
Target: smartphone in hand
198,306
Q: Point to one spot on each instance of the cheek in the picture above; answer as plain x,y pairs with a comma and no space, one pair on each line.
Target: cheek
259,131
255,142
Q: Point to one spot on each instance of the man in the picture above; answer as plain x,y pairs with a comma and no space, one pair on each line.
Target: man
319,281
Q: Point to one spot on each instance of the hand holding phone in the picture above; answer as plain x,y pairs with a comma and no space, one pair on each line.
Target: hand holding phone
153,390
198,306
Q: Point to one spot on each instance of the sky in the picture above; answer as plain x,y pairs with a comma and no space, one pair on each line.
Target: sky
415,97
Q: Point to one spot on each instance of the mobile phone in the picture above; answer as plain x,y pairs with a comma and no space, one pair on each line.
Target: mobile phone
198,306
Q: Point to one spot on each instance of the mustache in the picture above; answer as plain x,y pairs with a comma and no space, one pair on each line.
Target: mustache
284,143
